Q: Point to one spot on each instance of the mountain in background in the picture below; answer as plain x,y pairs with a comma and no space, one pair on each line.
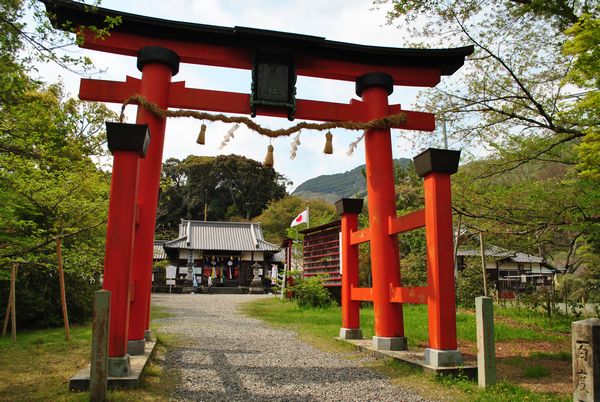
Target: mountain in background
332,187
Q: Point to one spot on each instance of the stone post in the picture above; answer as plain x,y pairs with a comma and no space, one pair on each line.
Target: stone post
585,336
486,354
99,364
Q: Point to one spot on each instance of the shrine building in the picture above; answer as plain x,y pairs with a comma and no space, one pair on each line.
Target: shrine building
228,252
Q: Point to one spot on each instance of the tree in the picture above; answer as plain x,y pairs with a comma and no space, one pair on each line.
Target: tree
279,214
516,98
513,86
583,43
412,244
51,189
227,187
50,185
39,41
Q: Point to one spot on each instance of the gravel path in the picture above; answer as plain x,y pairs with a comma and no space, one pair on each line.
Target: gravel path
226,356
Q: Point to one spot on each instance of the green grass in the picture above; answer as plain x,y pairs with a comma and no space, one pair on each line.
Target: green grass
564,356
536,372
326,322
319,326
558,323
38,367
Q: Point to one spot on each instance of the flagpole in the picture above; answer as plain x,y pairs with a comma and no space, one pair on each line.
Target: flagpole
308,216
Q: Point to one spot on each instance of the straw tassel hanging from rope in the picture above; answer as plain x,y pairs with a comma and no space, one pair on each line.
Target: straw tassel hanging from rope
295,145
269,158
202,135
328,143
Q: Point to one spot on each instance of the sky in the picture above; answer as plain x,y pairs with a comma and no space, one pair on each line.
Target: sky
352,21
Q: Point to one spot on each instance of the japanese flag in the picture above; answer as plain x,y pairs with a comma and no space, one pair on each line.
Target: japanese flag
302,218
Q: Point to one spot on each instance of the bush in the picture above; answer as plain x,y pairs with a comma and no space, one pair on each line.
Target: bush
38,298
310,292
413,270
469,285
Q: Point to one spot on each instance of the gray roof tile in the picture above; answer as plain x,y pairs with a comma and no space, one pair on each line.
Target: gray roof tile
231,236
159,251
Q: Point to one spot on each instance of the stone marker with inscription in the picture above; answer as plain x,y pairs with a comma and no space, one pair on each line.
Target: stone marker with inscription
586,360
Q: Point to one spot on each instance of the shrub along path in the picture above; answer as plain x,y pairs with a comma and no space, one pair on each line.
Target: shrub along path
221,354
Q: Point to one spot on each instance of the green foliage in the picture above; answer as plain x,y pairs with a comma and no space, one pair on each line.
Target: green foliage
511,98
538,206
469,285
412,245
310,293
275,220
584,44
231,187
38,297
50,184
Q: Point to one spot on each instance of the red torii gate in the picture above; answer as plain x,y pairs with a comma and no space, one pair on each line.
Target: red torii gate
159,46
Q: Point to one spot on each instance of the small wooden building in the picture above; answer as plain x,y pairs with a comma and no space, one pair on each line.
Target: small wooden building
228,252
322,253
510,271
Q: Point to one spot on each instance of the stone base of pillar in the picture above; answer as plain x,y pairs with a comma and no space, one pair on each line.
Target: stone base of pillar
137,347
390,343
443,358
148,335
119,366
349,333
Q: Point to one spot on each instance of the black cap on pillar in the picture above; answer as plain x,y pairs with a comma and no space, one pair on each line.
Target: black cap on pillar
434,160
374,80
128,137
349,206
157,54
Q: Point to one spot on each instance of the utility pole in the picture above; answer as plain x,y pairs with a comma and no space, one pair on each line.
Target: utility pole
456,246
485,288
205,206
444,133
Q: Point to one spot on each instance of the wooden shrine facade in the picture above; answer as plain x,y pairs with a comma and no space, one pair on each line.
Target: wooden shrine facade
225,251
321,253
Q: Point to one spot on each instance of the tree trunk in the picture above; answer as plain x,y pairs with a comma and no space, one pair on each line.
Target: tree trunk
61,280
13,313
8,309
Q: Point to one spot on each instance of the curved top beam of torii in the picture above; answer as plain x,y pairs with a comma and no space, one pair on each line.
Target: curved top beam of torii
236,48
232,47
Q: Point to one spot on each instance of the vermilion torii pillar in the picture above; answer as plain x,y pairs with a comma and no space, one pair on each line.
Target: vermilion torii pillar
128,143
389,325
436,166
157,65
349,209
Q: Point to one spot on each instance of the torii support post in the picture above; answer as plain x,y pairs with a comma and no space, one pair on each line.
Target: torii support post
157,65
374,89
436,166
349,208
128,143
